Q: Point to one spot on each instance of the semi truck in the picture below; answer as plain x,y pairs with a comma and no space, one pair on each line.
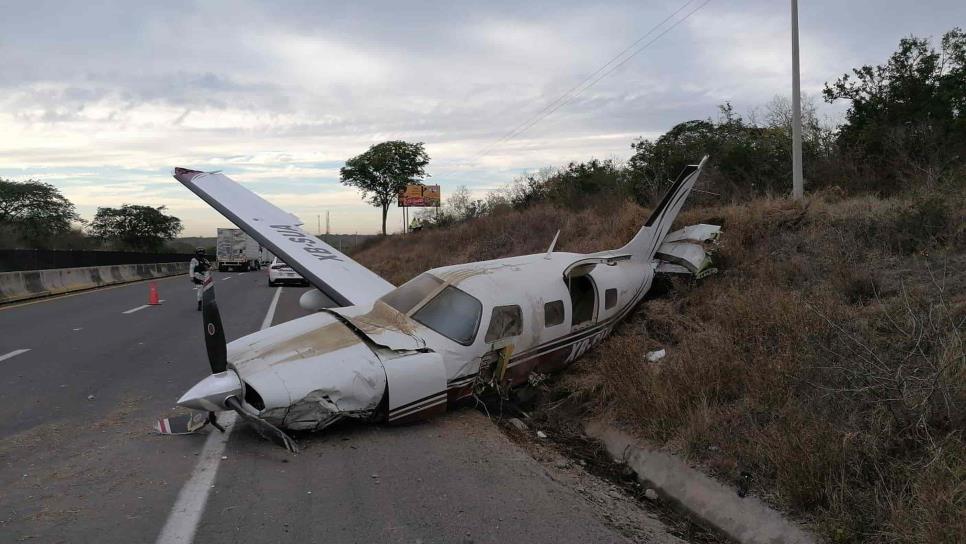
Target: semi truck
236,250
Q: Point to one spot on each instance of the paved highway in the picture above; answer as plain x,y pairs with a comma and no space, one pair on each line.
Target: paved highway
83,377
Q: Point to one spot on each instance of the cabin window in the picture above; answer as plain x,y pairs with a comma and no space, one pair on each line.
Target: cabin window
610,298
505,322
583,297
553,313
405,297
452,313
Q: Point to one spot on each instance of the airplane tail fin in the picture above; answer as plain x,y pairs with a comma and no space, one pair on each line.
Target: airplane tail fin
658,225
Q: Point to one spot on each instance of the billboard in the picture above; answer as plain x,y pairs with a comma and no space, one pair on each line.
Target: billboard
416,195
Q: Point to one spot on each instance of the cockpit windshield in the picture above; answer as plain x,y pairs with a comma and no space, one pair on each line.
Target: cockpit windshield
405,297
452,313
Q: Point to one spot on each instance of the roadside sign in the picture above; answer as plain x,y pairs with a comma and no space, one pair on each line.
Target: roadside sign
416,196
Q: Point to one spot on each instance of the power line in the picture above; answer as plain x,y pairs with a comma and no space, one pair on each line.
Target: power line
512,133
574,92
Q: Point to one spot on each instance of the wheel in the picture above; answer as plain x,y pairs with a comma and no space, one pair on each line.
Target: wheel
271,283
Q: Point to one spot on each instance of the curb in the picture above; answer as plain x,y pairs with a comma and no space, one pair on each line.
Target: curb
746,520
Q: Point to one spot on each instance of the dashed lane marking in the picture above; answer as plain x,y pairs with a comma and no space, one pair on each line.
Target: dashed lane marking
186,513
13,353
132,310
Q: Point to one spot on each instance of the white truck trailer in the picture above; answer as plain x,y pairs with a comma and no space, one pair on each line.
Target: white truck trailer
236,250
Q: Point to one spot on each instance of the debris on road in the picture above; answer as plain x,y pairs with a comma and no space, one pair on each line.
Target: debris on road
655,356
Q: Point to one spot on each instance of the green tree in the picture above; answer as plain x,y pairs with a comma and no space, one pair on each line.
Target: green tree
909,114
141,228
35,212
747,156
385,170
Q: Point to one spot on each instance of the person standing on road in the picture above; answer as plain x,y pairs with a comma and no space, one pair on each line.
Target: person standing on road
198,270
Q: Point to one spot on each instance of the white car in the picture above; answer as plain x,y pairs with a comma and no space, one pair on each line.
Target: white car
280,272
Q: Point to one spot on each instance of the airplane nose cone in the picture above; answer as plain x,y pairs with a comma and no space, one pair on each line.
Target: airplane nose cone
210,393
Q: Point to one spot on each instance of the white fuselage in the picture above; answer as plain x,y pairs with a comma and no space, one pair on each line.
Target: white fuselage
407,358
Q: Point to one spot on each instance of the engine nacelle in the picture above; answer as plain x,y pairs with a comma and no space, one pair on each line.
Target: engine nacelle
313,300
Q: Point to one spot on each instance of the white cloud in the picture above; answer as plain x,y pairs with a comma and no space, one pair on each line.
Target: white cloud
104,99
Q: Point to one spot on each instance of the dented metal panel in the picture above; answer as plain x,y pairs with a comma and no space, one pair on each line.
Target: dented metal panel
348,382
384,325
695,233
691,256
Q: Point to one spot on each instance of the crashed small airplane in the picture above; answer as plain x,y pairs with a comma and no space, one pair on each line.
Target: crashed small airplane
401,354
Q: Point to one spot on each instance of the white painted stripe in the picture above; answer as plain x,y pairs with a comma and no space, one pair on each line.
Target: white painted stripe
267,322
226,278
186,513
184,517
420,408
13,353
132,310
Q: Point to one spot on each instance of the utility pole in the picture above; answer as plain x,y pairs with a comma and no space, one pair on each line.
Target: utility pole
326,222
798,184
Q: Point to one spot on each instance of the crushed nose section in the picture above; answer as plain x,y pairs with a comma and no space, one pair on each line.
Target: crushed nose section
210,393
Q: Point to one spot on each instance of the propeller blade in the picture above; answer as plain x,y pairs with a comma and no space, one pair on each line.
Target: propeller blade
215,342
264,428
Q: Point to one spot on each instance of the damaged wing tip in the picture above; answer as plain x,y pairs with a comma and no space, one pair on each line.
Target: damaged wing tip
184,174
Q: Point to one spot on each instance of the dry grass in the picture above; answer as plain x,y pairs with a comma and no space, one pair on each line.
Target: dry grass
826,358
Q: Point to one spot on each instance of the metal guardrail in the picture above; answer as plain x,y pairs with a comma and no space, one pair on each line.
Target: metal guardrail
13,260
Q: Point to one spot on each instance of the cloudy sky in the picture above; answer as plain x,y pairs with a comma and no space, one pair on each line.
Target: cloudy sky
104,98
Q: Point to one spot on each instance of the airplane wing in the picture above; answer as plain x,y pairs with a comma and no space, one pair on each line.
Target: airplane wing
345,281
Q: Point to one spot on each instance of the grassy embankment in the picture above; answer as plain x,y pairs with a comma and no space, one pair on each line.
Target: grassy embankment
826,358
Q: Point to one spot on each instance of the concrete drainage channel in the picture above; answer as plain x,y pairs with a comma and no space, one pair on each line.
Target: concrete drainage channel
695,507
28,284
746,520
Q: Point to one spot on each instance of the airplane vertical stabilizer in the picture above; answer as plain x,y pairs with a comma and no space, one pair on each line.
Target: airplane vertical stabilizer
658,225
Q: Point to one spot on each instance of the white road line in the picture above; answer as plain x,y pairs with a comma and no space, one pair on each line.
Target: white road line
16,352
132,310
186,513
226,278
267,322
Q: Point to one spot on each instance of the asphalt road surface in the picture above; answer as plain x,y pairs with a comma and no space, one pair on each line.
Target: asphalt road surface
84,376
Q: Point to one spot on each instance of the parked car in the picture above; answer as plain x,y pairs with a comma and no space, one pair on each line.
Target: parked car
279,272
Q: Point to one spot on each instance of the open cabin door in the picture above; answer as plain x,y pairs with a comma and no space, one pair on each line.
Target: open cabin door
583,295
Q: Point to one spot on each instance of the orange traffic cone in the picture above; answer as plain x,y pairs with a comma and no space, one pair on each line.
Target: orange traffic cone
153,294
